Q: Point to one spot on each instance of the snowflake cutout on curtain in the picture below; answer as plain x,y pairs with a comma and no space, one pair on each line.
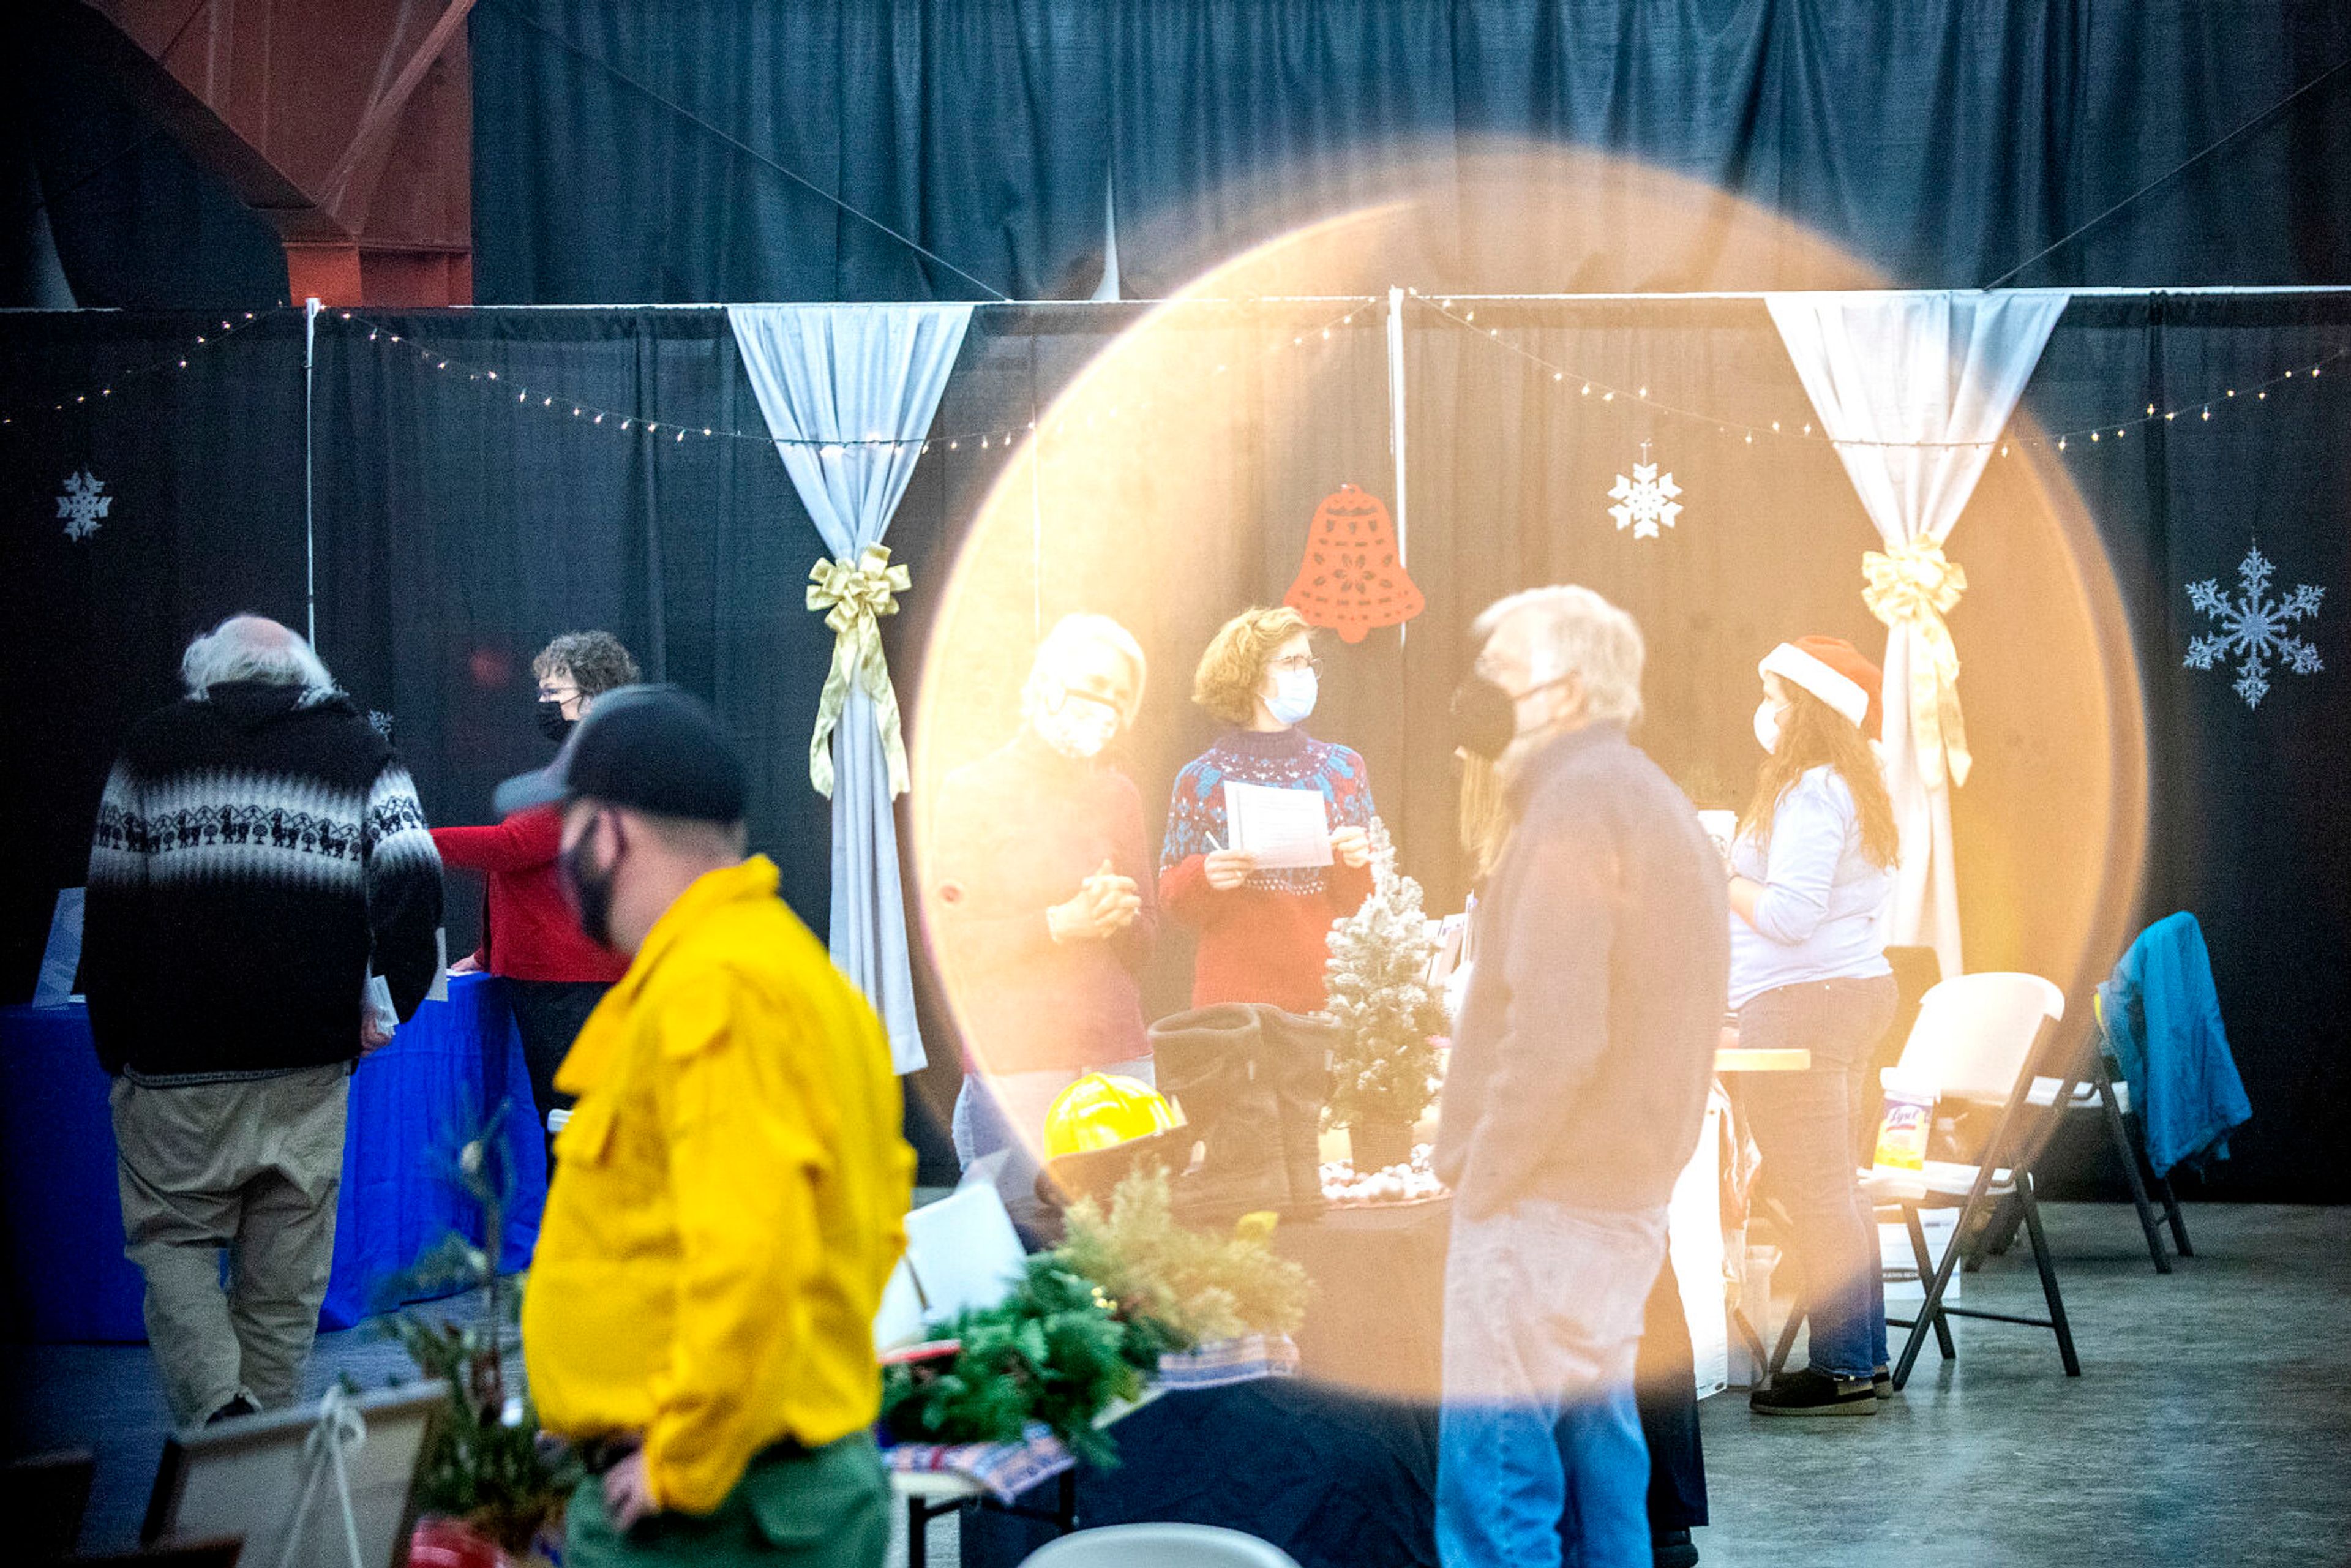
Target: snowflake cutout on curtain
2252,627
81,506
1645,501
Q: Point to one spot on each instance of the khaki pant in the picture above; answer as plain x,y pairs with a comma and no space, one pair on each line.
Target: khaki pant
251,1168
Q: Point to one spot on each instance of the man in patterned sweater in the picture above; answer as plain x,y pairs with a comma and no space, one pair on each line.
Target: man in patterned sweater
259,851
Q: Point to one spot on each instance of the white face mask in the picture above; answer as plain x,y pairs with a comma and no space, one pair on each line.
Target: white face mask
1767,725
1294,696
1076,728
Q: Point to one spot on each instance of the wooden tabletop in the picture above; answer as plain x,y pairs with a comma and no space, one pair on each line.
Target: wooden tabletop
1736,1059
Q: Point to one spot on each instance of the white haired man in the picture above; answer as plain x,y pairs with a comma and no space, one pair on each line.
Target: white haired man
259,850
1040,897
1578,1081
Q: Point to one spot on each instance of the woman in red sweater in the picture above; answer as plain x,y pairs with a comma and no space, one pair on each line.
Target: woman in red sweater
1263,933
554,976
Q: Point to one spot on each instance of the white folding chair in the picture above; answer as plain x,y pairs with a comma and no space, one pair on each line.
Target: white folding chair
1976,1040
1158,1546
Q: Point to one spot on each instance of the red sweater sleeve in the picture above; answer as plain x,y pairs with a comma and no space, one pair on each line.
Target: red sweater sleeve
1349,885
526,840
1184,889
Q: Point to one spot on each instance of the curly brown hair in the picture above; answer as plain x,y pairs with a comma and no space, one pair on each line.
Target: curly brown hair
1234,666
595,661
1812,734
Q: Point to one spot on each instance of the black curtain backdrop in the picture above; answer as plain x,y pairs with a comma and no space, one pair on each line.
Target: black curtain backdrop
204,470
1942,142
2245,826
971,127
458,529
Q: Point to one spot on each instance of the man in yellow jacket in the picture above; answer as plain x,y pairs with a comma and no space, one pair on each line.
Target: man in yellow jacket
730,1189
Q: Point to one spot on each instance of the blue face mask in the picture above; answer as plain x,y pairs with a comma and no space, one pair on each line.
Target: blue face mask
1294,696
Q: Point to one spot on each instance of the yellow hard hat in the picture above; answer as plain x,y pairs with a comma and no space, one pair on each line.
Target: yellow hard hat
1101,1111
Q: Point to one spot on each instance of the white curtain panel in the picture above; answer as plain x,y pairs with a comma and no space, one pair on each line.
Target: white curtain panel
1942,371
871,374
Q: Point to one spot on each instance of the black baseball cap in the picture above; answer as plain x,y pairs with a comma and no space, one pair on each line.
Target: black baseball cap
657,749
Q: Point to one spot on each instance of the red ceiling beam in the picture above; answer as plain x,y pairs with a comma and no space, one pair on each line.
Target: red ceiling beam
347,123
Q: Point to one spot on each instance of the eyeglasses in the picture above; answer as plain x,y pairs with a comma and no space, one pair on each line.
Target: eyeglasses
1072,693
557,694
1296,662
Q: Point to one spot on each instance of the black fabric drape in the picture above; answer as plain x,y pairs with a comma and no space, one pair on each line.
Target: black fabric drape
2245,802
972,127
202,470
1942,144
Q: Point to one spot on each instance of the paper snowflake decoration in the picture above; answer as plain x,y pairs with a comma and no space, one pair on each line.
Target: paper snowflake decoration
81,506
1644,501
2252,627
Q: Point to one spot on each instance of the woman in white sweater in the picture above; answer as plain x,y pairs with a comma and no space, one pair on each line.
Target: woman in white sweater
1811,872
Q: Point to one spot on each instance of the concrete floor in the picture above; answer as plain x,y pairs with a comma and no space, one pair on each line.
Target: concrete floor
2212,1423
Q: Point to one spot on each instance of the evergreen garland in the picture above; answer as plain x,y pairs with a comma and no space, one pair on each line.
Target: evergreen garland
1383,1067
1056,1351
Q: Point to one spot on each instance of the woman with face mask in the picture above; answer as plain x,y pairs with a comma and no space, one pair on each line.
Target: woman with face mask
1811,870
554,974
1263,932
1039,897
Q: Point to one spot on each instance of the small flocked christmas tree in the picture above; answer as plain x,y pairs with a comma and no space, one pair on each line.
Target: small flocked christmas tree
1384,1066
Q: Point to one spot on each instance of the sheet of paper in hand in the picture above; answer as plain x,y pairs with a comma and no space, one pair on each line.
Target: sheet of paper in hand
1284,829
375,1003
61,960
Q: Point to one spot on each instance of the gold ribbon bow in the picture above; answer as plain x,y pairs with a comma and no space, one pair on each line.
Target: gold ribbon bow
1913,585
855,597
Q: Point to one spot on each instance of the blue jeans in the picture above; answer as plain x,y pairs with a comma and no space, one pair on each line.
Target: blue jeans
1807,1127
1544,1308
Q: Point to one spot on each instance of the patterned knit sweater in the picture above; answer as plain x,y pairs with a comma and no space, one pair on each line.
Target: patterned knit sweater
1266,940
258,850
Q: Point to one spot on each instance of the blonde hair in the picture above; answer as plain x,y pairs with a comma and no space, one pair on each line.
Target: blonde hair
1234,666
1071,631
1485,819
1574,631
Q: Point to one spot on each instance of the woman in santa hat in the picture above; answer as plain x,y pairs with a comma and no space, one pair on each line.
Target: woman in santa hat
1811,873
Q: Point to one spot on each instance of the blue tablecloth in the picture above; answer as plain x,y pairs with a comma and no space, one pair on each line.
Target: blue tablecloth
414,1105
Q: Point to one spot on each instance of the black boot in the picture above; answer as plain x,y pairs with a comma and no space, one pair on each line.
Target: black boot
1296,1055
1206,1060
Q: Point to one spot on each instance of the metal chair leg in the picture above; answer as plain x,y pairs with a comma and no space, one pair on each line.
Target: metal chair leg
2048,1274
2172,1210
1753,1342
2128,1152
1927,1266
1796,1316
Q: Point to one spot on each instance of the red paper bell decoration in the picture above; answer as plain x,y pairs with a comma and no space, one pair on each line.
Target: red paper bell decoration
1351,580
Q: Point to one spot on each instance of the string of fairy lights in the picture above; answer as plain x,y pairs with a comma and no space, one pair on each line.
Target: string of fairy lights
2105,433
173,359
1463,315
597,416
